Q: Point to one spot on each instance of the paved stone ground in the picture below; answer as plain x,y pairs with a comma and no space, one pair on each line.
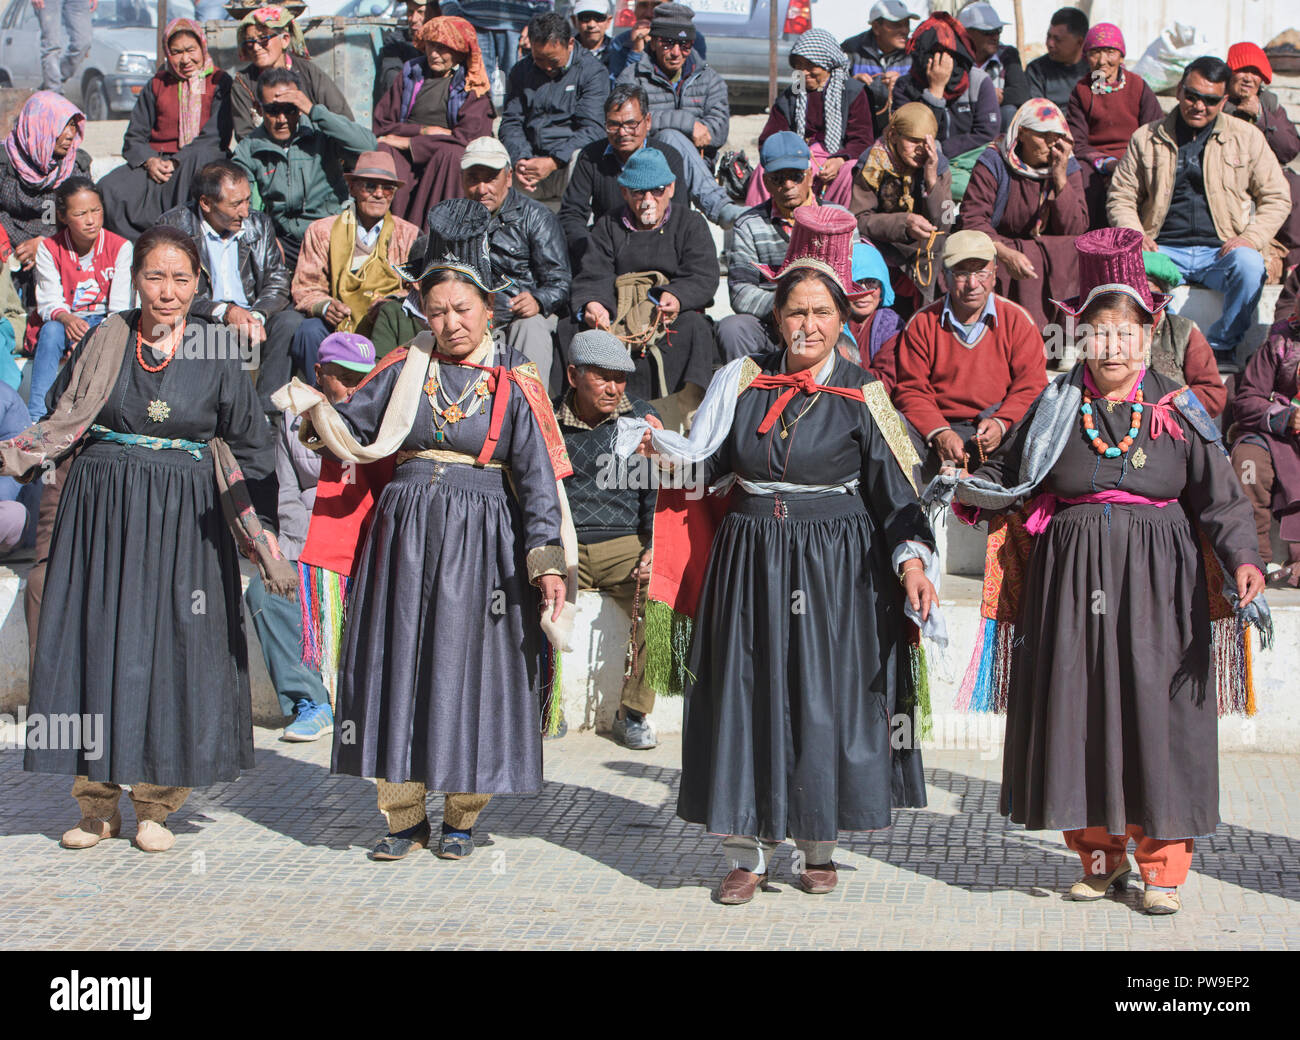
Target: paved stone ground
598,859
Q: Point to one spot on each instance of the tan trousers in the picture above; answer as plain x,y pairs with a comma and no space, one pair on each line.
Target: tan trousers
98,800
403,806
607,566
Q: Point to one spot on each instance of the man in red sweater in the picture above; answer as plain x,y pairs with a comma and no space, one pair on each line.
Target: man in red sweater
970,364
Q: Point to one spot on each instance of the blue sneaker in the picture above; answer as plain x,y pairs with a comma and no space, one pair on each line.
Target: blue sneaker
313,721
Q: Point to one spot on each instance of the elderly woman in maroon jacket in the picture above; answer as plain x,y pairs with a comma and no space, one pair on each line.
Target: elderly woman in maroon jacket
438,104
828,109
1266,444
1026,193
1105,110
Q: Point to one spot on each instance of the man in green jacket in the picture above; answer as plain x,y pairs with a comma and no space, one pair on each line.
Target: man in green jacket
295,165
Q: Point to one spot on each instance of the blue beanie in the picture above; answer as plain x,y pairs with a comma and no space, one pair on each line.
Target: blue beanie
646,169
868,263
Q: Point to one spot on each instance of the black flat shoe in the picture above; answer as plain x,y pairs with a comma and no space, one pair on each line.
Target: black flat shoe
455,846
391,846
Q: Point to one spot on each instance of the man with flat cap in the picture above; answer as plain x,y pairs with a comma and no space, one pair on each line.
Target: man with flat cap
648,274
612,505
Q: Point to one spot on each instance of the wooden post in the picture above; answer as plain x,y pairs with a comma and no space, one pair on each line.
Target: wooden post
771,52
162,24
1020,27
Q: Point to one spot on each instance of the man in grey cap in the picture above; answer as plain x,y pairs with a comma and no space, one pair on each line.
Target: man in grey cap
1000,62
591,21
878,56
527,247
612,505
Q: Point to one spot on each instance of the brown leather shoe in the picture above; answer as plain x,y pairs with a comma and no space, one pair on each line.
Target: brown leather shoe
818,881
739,887
89,833
151,836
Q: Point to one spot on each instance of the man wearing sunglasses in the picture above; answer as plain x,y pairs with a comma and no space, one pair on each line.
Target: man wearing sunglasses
688,100
296,165
591,20
345,269
1206,190
629,46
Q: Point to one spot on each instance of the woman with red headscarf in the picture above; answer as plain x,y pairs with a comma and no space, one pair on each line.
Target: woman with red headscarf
181,122
438,104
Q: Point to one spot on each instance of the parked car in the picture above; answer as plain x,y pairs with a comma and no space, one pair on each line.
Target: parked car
121,60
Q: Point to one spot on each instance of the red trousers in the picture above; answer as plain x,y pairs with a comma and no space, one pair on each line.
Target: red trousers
1163,863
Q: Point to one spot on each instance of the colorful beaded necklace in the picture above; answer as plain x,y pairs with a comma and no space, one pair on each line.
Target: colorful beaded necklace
1090,426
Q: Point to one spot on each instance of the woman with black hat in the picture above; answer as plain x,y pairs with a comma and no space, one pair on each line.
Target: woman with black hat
444,662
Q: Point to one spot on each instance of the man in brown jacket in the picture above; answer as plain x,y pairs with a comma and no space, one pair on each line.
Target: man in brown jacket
1206,190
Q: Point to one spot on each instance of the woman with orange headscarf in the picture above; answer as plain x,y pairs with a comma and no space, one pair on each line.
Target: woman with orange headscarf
439,103
181,122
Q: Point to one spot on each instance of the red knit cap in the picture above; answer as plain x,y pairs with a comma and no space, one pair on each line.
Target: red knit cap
1250,56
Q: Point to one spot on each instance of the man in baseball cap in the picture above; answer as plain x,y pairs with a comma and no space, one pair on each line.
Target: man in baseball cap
878,56
341,275
630,46
1001,63
591,21
970,364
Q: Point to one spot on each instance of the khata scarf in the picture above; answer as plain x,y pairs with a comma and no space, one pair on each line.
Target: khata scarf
193,89
1035,114
820,48
942,32
373,280
30,145
458,35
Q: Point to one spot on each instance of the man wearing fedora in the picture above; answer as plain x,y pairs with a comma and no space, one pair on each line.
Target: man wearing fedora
243,281
762,236
613,513
528,251
345,266
648,275
969,365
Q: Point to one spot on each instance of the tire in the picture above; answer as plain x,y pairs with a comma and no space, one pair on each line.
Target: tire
94,98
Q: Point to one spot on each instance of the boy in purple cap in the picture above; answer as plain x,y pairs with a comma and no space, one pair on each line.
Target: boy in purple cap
345,359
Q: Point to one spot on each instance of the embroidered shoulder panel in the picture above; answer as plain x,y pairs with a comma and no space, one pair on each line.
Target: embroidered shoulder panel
890,424
749,371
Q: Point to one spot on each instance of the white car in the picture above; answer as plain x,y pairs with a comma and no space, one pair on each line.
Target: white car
121,60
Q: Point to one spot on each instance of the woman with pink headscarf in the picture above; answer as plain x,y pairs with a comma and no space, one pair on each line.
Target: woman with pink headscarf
1105,110
181,122
40,153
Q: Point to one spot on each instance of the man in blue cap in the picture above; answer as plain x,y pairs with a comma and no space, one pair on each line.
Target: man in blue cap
760,236
648,273
613,504
344,360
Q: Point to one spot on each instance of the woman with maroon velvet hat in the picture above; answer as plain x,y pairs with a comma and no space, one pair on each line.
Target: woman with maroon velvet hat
1109,595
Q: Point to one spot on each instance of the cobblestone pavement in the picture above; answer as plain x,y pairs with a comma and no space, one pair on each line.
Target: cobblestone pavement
277,860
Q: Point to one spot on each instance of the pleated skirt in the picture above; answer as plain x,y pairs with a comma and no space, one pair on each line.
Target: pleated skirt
799,666
141,627
441,670
1112,715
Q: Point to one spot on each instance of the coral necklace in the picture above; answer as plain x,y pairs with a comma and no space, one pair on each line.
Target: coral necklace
139,351
1090,427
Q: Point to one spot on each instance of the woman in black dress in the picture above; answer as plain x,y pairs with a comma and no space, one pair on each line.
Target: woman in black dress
1111,701
799,667
443,662
141,633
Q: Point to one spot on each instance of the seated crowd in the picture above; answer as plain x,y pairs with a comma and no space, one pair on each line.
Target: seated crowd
960,179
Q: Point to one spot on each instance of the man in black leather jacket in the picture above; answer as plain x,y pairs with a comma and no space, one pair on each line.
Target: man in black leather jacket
243,280
528,249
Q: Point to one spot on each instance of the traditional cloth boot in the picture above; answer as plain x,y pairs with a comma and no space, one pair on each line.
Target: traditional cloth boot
151,836
90,832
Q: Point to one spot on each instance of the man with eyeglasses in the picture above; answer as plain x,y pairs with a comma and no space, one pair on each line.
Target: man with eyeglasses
688,100
296,165
1206,190
969,365
593,187
345,269
648,274
761,236
243,282
553,108
591,20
